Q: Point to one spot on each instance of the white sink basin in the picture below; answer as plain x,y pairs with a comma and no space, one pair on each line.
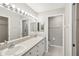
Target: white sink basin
11,51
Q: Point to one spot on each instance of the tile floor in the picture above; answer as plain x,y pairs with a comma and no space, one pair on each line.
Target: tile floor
54,51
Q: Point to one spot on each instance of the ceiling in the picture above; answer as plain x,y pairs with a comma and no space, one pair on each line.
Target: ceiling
42,7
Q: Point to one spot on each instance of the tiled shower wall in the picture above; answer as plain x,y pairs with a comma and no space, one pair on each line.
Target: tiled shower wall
55,30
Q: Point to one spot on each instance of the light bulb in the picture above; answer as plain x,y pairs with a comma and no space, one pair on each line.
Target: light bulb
4,5
7,3
18,9
13,6
25,13
22,11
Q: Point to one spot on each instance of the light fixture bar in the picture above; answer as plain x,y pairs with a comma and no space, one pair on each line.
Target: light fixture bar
17,10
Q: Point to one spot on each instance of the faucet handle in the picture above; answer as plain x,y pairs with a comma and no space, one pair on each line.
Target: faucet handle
5,41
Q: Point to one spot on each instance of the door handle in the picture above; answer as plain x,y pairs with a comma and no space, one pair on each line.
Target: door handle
73,45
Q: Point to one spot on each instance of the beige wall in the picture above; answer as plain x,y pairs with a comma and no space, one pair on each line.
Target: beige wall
55,30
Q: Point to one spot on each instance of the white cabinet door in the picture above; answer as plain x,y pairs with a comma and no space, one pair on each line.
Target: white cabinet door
41,48
37,50
32,52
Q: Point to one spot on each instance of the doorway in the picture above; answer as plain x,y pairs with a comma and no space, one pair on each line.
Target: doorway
56,35
24,28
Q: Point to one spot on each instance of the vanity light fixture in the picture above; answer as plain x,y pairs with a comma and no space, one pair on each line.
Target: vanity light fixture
20,11
4,5
7,3
25,13
17,10
10,7
13,6
31,15
28,14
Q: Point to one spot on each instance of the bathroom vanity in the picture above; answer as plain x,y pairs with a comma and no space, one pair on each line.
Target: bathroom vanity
21,38
37,50
35,46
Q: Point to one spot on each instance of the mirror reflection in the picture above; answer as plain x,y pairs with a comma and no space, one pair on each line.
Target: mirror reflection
24,28
15,24
3,29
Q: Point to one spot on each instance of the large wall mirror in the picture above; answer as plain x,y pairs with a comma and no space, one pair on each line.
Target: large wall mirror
14,25
33,26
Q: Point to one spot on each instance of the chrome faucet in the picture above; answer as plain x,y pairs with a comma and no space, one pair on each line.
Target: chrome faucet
11,45
5,42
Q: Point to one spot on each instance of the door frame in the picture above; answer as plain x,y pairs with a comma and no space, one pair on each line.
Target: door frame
74,33
62,14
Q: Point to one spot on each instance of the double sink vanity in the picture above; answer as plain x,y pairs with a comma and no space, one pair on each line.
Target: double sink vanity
31,46
16,37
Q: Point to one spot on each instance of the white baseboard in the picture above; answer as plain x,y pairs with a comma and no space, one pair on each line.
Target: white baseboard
56,46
